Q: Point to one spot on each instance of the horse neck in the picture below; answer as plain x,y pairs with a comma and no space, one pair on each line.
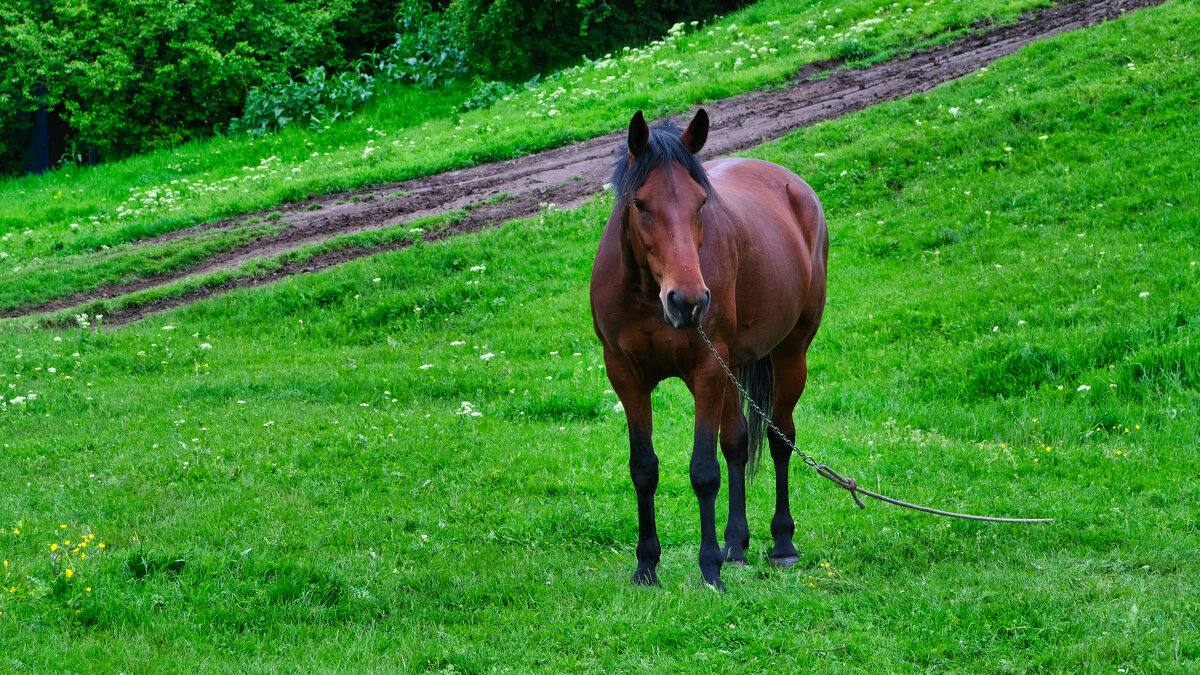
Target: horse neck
634,275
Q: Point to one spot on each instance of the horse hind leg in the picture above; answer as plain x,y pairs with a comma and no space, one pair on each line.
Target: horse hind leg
741,443
791,372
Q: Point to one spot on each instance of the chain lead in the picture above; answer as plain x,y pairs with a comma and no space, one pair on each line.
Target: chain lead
749,401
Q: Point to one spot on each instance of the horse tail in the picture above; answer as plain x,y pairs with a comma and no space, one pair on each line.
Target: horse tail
759,384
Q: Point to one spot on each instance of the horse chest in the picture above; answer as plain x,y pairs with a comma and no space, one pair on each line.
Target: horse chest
657,351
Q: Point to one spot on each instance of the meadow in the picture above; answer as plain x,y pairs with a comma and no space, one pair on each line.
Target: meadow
413,461
77,228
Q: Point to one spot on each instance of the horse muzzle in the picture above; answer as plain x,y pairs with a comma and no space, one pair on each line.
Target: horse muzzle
683,312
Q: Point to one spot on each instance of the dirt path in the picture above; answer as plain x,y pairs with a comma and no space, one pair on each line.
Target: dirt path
567,176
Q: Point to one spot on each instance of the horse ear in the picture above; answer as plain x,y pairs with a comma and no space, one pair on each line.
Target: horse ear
696,134
639,135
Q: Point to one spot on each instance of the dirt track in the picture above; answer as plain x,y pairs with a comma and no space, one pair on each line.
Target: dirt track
566,176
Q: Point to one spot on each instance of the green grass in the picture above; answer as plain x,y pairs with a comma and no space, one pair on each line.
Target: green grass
47,221
48,279
363,242
301,495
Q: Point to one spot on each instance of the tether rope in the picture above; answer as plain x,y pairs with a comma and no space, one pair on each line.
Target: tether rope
829,474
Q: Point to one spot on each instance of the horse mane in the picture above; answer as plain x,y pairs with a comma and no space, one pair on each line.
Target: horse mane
663,150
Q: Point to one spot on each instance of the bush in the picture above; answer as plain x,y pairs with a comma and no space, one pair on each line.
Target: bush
419,54
133,75
513,40
126,76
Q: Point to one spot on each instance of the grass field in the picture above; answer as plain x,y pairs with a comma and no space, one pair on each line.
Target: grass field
72,230
412,461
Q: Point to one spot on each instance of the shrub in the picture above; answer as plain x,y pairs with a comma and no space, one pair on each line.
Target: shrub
513,40
131,75
420,54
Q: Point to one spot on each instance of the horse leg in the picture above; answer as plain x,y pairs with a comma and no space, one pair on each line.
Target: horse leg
643,464
708,388
791,372
735,446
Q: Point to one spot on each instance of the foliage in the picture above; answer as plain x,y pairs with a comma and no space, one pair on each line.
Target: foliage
484,93
420,54
423,52
128,76
314,99
516,39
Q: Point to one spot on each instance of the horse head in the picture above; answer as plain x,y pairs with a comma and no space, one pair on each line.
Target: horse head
663,190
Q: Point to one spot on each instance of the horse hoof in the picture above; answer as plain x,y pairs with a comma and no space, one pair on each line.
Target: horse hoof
733,557
784,561
645,578
717,585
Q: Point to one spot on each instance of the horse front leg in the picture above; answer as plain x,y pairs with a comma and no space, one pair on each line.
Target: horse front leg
735,446
643,469
705,470
643,463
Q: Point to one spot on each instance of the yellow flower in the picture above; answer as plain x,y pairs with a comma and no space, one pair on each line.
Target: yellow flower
16,531
88,589
101,544
70,573
67,542
53,547
1137,426
82,556
62,527
1035,420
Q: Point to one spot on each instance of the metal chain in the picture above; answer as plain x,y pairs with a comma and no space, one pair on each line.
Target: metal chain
824,471
750,402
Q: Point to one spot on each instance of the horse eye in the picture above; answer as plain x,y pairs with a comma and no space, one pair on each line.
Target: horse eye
639,205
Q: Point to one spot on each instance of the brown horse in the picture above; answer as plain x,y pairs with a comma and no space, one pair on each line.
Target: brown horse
738,246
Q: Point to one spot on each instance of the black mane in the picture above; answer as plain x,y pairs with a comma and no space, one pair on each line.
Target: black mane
663,150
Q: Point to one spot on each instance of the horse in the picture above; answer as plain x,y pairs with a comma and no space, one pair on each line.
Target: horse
738,247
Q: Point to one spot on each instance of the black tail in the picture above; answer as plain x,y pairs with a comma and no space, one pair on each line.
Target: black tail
758,382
